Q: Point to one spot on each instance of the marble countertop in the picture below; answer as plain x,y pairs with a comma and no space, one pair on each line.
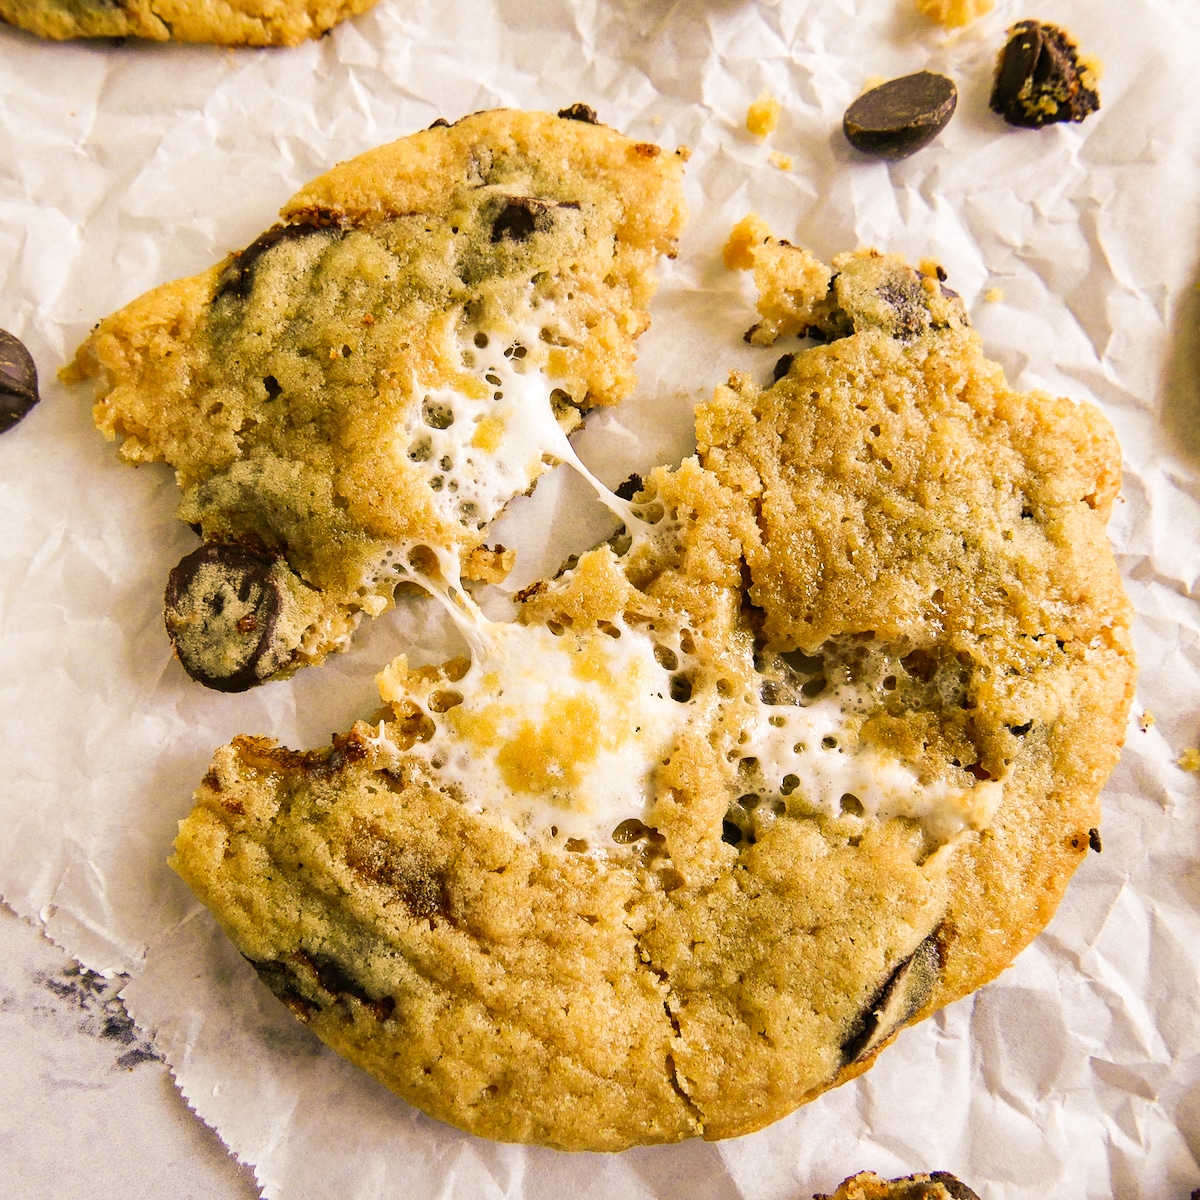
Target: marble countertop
87,1105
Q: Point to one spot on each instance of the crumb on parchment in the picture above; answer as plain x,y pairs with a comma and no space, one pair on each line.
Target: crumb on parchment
1146,720
782,161
763,115
954,13
994,295
1189,760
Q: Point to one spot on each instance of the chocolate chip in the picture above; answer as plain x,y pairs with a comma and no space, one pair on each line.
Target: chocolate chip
18,381
222,608
630,487
900,116
1039,78
579,112
782,367
238,276
519,218
906,991
1094,841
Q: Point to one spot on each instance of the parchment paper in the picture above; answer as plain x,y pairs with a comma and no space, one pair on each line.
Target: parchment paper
1077,1074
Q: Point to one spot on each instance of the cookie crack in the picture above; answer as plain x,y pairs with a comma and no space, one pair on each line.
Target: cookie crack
674,1075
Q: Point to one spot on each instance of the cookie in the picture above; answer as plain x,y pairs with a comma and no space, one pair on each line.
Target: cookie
357,394
225,22
808,750
866,1185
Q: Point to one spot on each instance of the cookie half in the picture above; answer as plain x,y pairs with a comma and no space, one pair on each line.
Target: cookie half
807,751
357,394
225,22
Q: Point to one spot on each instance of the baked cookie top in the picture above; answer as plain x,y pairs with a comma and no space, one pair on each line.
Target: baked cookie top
806,751
225,22
349,401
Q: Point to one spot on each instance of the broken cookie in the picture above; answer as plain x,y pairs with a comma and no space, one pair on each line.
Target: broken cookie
357,394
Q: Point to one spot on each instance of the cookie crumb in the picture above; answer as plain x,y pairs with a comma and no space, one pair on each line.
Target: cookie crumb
763,115
791,282
1189,760
994,295
1145,721
749,232
781,161
954,13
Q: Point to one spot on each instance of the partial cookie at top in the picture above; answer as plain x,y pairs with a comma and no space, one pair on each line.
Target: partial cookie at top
807,751
225,22
356,395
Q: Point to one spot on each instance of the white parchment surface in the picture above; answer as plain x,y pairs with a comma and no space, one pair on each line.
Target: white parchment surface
1076,1074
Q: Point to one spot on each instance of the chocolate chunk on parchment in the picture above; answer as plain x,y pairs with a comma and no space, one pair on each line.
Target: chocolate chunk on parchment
18,381
223,609
1040,78
897,118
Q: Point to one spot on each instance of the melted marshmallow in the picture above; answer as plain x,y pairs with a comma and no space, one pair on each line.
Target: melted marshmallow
562,734
478,451
814,753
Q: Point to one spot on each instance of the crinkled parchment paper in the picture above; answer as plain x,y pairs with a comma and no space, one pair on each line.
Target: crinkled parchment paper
1078,1072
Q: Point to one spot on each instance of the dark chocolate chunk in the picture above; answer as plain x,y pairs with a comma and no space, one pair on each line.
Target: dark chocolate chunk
1094,840
905,992
900,116
782,367
222,609
579,112
520,217
238,276
18,381
1039,78
630,487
